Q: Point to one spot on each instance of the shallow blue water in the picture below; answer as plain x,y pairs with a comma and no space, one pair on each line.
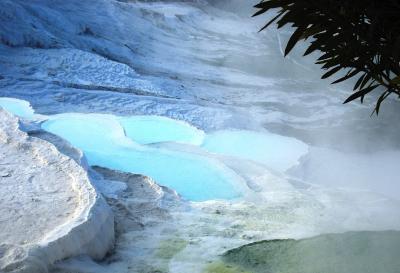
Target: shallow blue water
154,129
102,139
127,144
18,107
274,151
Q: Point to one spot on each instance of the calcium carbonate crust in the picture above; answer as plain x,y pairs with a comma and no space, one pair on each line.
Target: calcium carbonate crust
88,231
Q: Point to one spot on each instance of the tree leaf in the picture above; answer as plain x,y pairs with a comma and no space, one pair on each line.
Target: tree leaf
382,97
331,72
359,81
347,76
270,22
294,39
360,93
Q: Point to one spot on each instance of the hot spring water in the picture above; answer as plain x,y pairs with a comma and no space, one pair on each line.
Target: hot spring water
130,144
17,107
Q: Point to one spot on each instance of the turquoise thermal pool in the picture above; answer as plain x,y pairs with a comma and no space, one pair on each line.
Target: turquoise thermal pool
18,107
103,140
155,129
128,144
274,151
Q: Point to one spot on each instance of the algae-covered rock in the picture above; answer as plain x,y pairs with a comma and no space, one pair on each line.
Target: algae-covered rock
168,248
220,267
351,252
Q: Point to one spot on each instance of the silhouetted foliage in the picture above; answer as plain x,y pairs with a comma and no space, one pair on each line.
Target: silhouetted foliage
360,36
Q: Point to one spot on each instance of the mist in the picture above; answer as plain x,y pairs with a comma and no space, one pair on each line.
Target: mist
353,149
200,137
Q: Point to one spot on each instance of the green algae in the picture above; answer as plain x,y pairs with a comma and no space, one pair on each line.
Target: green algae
220,267
355,252
170,247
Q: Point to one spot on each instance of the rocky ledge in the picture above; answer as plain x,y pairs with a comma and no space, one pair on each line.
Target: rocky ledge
49,209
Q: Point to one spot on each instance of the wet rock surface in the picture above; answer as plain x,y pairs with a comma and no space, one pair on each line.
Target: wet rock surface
356,252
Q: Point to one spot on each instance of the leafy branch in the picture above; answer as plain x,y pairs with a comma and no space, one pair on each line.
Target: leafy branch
360,37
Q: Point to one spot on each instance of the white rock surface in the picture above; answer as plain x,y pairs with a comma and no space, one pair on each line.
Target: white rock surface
49,209
156,231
